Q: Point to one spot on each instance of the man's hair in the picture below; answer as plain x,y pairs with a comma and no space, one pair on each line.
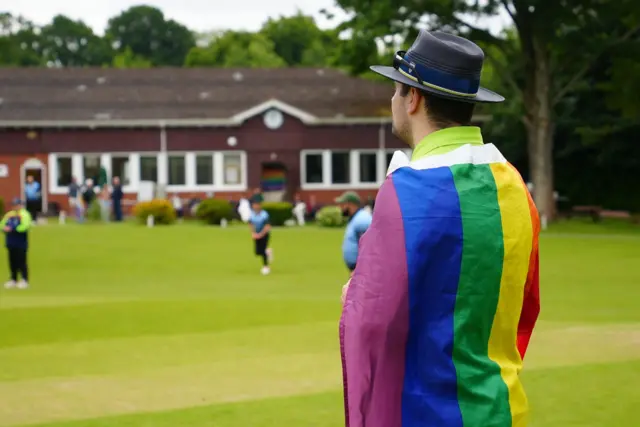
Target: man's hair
443,112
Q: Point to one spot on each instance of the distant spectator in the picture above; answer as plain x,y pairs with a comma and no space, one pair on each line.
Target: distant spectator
299,209
33,195
116,198
176,201
244,209
88,193
104,199
75,202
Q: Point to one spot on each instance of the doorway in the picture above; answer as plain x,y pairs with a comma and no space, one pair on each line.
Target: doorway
273,181
38,170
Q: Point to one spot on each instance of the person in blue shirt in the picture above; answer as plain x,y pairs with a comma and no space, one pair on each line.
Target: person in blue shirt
359,222
16,224
260,225
33,195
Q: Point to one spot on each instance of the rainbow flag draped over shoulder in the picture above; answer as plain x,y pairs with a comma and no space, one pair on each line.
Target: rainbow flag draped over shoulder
444,297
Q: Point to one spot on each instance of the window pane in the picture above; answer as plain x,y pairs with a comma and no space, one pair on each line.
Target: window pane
232,166
149,168
120,169
313,168
389,156
64,171
204,169
368,167
91,168
340,170
177,171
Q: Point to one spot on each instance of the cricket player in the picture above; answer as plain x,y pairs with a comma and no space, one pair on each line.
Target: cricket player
16,224
260,225
359,222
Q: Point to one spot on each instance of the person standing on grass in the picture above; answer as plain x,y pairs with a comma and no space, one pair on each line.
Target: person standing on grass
104,198
442,304
33,195
260,230
16,224
359,222
116,199
75,202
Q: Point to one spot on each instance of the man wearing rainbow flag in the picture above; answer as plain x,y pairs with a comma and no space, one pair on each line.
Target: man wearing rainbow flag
439,311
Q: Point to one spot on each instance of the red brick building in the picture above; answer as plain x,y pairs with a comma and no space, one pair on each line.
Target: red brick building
195,131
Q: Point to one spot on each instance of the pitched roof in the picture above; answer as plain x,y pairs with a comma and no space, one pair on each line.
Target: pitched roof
104,95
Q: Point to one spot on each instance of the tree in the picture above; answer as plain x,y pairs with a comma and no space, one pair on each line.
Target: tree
298,40
20,41
559,42
71,43
236,49
128,59
145,30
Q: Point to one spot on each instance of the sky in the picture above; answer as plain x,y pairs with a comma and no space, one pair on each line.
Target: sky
198,15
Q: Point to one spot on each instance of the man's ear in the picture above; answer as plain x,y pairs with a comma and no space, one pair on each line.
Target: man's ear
413,101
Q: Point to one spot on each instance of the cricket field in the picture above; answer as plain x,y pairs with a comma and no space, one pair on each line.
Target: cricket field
174,326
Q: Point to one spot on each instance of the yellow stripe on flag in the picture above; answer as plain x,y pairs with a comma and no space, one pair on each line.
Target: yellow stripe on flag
517,234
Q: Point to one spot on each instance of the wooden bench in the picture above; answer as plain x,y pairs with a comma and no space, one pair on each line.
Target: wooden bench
595,212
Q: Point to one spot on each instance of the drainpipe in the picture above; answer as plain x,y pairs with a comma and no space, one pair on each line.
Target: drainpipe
163,169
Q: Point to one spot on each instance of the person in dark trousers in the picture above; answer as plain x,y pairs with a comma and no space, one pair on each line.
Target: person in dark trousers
32,191
16,224
88,194
116,199
260,230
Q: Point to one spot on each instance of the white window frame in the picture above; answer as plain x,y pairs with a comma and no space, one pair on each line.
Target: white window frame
212,155
53,173
218,171
354,170
356,173
176,187
163,170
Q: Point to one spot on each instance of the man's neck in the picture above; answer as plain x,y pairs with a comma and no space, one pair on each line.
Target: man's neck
420,131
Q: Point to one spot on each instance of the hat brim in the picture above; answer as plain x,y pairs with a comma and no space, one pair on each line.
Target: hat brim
483,95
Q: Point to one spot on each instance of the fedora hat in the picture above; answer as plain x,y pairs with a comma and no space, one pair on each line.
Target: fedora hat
441,64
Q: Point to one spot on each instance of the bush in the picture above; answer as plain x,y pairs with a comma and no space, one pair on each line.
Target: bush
1,206
279,212
330,216
213,211
161,210
93,211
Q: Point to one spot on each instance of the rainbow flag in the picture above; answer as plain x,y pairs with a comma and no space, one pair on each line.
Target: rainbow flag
444,298
273,179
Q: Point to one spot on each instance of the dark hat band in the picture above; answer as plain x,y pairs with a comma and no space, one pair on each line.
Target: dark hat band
436,79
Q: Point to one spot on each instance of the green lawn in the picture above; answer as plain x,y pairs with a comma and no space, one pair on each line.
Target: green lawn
129,326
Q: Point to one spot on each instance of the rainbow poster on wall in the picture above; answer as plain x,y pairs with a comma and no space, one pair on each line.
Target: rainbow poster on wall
273,179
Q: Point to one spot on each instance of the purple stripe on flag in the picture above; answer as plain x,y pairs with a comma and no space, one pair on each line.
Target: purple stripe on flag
375,320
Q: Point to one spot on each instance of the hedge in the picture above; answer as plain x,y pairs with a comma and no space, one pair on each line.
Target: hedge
213,211
330,216
279,212
161,210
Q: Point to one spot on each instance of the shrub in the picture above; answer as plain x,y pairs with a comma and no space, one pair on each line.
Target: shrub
1,206
330,216
213,211
279,212
161,210
93,211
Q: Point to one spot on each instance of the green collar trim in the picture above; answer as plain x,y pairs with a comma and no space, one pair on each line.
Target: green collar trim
448,139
